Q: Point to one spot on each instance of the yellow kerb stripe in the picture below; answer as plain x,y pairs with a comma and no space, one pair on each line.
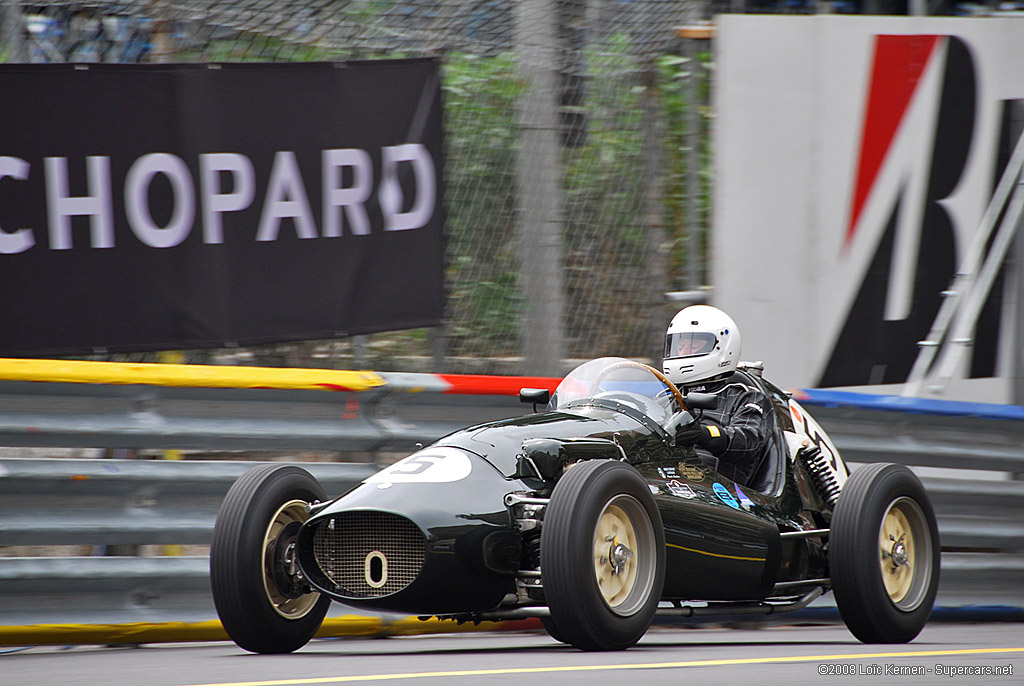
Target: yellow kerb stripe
186,375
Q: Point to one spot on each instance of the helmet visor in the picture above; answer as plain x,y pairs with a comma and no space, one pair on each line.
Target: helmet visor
689,344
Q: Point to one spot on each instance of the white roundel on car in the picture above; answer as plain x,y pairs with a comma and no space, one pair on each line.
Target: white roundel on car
429,466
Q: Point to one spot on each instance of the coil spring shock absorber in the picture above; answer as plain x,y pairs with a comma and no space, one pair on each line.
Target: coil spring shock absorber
822,476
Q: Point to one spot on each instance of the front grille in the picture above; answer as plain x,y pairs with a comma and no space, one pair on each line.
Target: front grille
369,554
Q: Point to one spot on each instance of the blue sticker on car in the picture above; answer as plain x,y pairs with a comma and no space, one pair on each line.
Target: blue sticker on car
725,496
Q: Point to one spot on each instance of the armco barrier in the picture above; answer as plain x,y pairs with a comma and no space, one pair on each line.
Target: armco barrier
971,458
125,502
969,454
117,405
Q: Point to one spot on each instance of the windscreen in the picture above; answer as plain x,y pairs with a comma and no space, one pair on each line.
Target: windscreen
616,379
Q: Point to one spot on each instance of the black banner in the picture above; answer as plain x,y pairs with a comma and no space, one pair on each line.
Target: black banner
183,206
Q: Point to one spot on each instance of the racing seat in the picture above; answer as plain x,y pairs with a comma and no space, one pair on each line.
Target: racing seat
767,471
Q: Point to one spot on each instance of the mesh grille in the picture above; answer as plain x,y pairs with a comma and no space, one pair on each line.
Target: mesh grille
369,554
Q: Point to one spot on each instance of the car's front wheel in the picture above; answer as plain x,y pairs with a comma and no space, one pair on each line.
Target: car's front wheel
261,598
552,629
884,554
602,556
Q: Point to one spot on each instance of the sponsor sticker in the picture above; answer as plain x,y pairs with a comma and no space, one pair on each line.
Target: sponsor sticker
692,472
725,496
744,500
680,489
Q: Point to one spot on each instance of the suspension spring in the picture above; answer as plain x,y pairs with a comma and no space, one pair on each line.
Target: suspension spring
821,474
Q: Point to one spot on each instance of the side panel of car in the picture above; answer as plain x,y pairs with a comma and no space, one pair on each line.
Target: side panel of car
721,541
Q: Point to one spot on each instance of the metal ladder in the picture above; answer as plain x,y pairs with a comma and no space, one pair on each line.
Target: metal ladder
952,331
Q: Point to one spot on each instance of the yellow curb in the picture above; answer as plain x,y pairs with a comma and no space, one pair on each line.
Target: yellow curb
181,632
187,375
138,632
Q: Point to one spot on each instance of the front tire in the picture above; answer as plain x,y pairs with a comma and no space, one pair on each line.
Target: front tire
552,629
261,599
884,554
602,556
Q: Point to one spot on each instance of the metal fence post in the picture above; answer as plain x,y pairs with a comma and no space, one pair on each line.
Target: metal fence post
1015,110
12,34
538,174
694,276
654,209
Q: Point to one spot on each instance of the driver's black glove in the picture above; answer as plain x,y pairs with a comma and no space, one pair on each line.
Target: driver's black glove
685,428
712,438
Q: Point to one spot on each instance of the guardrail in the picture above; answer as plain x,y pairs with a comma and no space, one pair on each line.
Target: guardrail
967,454
971,459
115,405
117,502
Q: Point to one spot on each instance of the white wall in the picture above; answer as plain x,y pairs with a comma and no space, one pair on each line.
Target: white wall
792,116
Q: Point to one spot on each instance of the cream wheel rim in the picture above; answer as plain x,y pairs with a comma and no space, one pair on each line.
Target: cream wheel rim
289,608
905,553
623,550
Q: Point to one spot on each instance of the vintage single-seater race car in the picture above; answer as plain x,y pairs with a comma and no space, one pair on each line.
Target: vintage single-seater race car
594,515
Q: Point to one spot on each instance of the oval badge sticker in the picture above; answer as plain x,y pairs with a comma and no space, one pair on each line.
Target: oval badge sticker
725,496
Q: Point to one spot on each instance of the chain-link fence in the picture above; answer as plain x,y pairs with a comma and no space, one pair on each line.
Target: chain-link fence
570,187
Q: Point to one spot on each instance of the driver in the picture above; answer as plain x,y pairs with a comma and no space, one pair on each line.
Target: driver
702,353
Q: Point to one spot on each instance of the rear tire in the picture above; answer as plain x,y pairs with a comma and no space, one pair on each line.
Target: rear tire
602,556
884,554
262,601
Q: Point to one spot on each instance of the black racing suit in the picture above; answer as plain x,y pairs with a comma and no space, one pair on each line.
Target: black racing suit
745,421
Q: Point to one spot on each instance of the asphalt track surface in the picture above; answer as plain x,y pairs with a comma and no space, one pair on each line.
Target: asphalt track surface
770,655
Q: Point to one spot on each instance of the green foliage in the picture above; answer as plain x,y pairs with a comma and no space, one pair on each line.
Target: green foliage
674,76
480,96
606,235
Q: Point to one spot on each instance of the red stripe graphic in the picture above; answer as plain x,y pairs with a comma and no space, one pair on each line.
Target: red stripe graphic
473,384
898,64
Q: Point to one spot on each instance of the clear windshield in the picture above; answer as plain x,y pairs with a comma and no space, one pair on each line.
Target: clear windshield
616,379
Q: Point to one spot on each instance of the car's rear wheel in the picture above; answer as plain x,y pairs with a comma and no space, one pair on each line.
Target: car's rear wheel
602,556
263,602
884,554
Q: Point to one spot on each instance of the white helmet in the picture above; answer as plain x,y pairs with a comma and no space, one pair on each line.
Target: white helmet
701,343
